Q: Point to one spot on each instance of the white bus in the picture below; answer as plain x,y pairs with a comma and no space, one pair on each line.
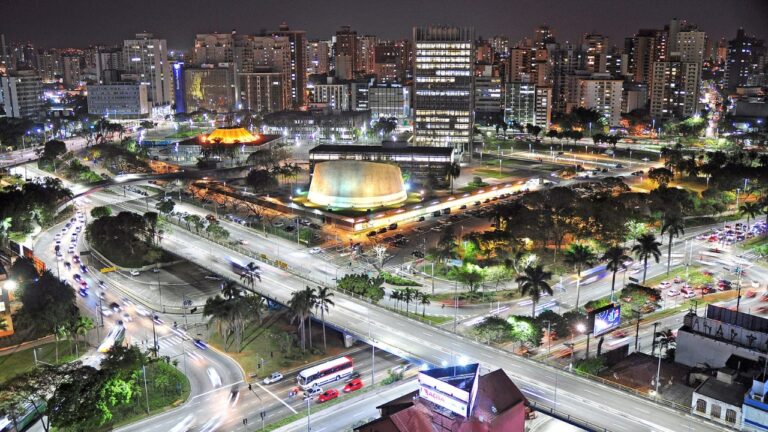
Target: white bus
324,373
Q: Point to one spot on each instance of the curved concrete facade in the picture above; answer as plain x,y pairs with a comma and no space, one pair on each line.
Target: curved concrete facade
356,184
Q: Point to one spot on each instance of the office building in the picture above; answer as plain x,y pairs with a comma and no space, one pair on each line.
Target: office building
345,51
526,103
389,100
125,100
323,125
602,93
210,88
262,92
489,99
674,91
443,86
746,60
333,94
297,66
358,95
318,57
21,94
146,58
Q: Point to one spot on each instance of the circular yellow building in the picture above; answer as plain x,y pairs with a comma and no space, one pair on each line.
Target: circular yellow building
356,184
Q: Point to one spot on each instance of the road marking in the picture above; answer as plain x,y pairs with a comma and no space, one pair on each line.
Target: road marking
217,389
275,396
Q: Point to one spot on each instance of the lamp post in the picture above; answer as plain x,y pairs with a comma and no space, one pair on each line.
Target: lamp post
549,335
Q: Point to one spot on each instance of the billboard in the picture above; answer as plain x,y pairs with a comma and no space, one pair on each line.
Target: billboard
452,388
605,319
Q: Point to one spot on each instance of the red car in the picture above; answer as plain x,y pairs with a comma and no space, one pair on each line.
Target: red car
750,294
328,395
355,384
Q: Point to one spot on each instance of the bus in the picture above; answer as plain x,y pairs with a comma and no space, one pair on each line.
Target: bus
326,372
31,413
115,336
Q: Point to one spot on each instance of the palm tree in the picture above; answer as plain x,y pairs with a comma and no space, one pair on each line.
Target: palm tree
396,296
615,257
218,310
579,256
230,290
81,327
647,246
424,300
300,309
674,226
324,295
533,282
311,296
454,170
750,210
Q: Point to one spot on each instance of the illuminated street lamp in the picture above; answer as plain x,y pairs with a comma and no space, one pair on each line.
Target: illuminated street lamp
10,285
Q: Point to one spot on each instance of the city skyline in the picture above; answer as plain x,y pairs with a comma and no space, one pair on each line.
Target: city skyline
72,28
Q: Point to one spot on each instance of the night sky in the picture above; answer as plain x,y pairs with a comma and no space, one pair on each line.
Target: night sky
79,23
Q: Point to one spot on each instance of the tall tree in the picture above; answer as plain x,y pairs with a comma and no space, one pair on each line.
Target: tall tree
300,308
323,303
646,247
533,283
750,210
615,256
579,256
674,226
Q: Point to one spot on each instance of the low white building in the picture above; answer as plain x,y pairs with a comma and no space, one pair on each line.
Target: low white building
120,100
720,398
755,407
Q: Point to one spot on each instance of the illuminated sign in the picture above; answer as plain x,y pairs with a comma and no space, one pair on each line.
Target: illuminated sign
441,387
443,400
605,319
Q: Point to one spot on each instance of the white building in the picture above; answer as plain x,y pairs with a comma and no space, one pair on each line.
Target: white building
332,94
21,94
147,59
603,94
719,398
755,408
120,100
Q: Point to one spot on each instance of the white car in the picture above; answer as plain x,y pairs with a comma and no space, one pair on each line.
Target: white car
315,250
214,377
106,311
275,377
184,425
143,312
135,272
312,392
665,284
673,292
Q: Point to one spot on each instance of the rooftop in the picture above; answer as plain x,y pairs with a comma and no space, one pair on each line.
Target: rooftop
234,135
342,148
729,393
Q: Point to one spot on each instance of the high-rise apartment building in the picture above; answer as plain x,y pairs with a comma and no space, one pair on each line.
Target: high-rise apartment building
72,67
542,37
213,48
691,44
21,94
602,93
391,61
318,56
49,65
297,71
107,59
674,88
596,46
526,103
366,46
345,51
566,61
262,92
745,60
443,85
489,99
147,59
519,63
500,45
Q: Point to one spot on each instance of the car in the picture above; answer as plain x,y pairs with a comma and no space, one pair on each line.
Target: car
115,307
77,277
673,292
355,384
417,254
275,377
750,293
422,218
463,207
371,233
329,394
75,259
677,280
141,311
213,277
155,270
214,377
312,392
83,292
618,334
353,375
761,309
67,265
664,284
234,397
135,272
157,319
401,369
106,311
83,268
755,284
393,226
83,283
101,283
381,230
315,250
200,344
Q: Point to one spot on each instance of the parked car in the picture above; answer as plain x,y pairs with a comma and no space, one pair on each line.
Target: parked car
135,272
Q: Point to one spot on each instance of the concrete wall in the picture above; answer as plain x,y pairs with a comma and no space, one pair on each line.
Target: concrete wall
696,350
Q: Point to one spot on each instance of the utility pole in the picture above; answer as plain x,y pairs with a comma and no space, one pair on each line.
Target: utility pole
637,327
653,345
